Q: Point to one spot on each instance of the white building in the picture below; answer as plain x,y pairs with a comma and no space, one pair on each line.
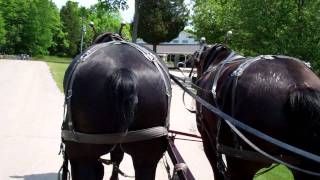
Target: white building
183,38
177,50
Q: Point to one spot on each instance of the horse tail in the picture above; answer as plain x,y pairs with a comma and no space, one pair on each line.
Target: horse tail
303,107
124,96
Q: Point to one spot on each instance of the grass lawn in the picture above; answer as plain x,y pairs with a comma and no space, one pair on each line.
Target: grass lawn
276,172
58,66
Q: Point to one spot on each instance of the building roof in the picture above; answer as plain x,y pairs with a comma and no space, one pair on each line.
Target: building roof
175,48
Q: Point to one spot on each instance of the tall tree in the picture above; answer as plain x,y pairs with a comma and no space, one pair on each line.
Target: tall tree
59,41
105,20
114,5
2,32
71,25
38,31
28,25
15,18
161,21
262,27
135,21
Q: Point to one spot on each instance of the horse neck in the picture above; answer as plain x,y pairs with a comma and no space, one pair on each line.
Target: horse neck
207,62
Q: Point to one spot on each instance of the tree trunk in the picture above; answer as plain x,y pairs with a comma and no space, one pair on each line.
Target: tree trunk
154,47
135,22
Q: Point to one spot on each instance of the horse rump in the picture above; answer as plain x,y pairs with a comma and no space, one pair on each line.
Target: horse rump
303,112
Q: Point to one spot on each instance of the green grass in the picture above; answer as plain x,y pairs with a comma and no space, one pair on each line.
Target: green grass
58,66
277,172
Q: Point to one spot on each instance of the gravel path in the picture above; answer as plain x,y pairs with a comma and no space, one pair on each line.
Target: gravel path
31,108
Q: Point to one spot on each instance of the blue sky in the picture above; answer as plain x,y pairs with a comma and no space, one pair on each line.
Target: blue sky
126,15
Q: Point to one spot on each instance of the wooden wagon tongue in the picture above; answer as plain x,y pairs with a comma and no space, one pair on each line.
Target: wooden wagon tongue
180,167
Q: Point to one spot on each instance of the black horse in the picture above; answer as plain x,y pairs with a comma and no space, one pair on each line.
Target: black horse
278,95
117,87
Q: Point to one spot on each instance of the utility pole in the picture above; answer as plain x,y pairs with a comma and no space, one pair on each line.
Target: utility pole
83,32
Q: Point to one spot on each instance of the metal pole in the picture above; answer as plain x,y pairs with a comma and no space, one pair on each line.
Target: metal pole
83,31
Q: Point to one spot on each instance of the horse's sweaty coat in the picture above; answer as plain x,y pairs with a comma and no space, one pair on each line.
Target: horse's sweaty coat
116,138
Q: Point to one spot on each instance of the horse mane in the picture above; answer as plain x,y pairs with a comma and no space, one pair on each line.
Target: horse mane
212,54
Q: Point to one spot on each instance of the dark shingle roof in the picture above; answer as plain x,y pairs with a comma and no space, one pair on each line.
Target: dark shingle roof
175,48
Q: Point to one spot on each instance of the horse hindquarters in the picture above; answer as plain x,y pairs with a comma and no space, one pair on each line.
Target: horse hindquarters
303,112
145,156
122,93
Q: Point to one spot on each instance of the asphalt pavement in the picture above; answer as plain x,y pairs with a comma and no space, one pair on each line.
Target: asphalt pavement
31,108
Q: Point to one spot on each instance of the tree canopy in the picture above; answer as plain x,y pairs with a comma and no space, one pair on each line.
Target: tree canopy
38,27
2,32
262,27
161,21
70,17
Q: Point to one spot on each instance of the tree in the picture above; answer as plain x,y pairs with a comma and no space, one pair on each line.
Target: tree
113,5
59,41
2,32
15,18
71,26
104,21
37,33
161,21
262,27
28,24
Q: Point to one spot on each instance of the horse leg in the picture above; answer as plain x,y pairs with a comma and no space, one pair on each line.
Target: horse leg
86,169
145,169
243,169
145,156
210,152
116,158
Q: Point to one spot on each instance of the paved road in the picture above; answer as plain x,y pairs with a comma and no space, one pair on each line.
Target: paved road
31,113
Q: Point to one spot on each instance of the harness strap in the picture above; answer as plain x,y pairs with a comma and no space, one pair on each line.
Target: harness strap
296,59
115,167
252,155
115,138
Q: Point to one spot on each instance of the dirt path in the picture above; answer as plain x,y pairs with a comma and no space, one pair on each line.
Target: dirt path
31,113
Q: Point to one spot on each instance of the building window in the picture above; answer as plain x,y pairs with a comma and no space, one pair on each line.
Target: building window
175,41
185,41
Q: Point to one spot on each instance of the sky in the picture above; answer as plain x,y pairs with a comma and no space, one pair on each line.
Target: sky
126,15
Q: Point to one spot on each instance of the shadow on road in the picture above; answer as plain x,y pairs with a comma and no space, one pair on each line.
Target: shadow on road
46,176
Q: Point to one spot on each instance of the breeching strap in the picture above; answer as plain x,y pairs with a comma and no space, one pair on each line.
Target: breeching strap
115,138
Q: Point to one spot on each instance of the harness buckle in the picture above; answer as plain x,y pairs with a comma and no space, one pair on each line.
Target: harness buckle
69,94
308,64
237,72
